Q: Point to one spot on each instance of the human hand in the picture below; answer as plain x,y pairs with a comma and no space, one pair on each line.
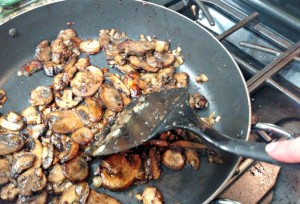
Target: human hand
285,150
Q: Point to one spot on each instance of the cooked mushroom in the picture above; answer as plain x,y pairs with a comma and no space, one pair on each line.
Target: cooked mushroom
104,39
56,175
69,67
119,171
5,168
152,196
9,192
31,67
57,48
64,122
132,81
138,48
3,97
88,82
37,130
100,198
164,59
90,46
111,98
10,142
32,116
198,101
173,159
59,188
165,76
12,122
154,162
77,193
67,101
95,111
84,114
40,198
32,180
192,158
66,35
82,136
54,200
22,161
70,151
48,153
43,51
37,150
125,68
138,63
126,99
60,81
182,79
52,69
41,96
82,64
118,84
76,169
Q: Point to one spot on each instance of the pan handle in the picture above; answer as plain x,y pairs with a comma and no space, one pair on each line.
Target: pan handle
276,131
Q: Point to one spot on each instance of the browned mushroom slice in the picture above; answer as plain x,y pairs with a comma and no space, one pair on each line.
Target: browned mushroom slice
161,46
173,159
111,98
138,48
132,81
90,46
57,48
164,59
48,153
119,171
192,158
125,68
165,76
69,67
198,101
32,116
182,79
59,188
88,82
37,150
82,136
31,67
155,158
77,193
100,198
84,114
41,96
64,122
3,97
95,111
60,81
43,51
104,39
56,175
10,142
32,180
37,130
76,169
12,122
40,198
52,69
70,151
9,192
66,35
67,101
54,200
152,196
22,161
5,168
118,84
126,99
138,63
82,64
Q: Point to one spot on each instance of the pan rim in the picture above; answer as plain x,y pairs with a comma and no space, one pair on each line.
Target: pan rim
222,186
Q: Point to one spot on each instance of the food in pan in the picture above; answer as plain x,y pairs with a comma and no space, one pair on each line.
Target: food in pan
45,151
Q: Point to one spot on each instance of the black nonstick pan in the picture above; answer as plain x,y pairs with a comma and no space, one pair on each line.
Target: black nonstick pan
225,90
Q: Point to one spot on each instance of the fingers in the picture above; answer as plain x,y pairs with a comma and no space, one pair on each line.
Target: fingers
285,151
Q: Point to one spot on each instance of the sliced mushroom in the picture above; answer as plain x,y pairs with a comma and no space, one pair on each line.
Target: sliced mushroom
3,97
32,180
155,158
119,171
198,101
40,198
41,96
5,168
66,35
164,59
173,159
32,115
70,151
126,99
126,68
48,153
54,200
56,175
22,161
37,150
118,84
60,81
64,122
90,46
84,114
152,196
31,67
76,169
57,48
37,130
165,76
132,81
9,192
88,82
138,63
43,51
59,188
10,142
95,111
192,158
52,69
82,64
69,67
182,79
100,198
82,136
12,121
67,101
138,48
111,98
104,39
77,193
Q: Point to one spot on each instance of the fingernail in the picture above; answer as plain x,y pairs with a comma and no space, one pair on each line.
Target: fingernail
271,146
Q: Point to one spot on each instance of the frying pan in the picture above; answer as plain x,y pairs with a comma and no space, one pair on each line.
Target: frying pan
225,90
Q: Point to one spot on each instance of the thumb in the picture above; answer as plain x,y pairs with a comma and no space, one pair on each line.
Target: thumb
285,151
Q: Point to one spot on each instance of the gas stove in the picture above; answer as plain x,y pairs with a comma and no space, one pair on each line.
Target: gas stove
263,36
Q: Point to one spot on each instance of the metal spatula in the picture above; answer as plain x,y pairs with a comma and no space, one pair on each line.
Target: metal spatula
152,114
